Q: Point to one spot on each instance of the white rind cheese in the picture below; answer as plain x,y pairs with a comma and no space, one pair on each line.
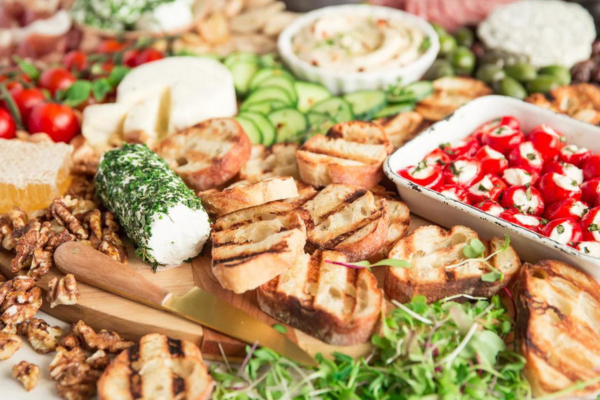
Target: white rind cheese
539,32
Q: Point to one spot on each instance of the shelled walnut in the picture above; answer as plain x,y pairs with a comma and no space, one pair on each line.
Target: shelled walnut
42,337
62,291
105,340
20,300
76,374
9,345
27,374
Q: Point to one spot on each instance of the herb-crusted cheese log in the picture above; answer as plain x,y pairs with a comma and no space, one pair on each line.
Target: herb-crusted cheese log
160,214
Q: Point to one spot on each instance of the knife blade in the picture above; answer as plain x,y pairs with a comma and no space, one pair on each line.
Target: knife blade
199,306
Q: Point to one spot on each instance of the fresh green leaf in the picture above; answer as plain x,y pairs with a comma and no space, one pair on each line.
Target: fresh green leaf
474,249
280,328
77,93
100,88
28,68
117,74
11,105
492,276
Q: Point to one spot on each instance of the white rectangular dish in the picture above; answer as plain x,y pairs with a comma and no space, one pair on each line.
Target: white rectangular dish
447,212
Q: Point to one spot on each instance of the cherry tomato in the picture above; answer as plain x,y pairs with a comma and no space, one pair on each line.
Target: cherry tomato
564,169
492,161
503,139
563,230
463,171
461,148
130,56
148,55
547,141
7,125
429,176
591,167
590,224
110,46
530,222
567,208
55,79
574,155
437,156
75,60
26,99
527,157
590,190
507,120
57,120
455,192
490,207
525,199
555,187
490,187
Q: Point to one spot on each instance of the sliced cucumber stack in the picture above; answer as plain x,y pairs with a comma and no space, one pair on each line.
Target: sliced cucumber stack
310,94
290,124
336,107
365,103
264,126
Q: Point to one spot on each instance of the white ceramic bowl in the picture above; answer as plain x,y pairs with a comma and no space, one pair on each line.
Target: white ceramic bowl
447,212
346,82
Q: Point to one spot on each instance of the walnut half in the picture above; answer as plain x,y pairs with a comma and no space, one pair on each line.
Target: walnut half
27,374
76,374
42,337
62,291
20,300
9,345
105,340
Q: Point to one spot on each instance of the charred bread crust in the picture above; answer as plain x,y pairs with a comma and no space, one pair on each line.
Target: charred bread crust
436,249
399,218
202,164
402,127
312,314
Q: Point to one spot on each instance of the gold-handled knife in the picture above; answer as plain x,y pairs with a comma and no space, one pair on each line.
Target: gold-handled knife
99,270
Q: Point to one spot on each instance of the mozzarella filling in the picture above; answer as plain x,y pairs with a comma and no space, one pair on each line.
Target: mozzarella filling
574,173
594,227
589,248
517,177
482,188
529,153
527,220
525,203
466,171
578,208
565,182
495,210
562,233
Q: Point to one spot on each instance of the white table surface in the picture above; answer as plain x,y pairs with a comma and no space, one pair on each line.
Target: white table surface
11,389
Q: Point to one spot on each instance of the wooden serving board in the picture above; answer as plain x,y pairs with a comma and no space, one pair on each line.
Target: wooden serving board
104,310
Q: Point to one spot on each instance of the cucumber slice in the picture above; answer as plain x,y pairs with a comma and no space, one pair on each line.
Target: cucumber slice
265,127
413,92
318,123
365,103
310,94
282,83
290,124
269,60
269,93
265,73
264,107
394,109
336,107
250,128
237,57
242,72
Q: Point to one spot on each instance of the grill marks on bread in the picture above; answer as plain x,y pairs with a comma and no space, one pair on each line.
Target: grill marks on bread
559,320
336,304
157,368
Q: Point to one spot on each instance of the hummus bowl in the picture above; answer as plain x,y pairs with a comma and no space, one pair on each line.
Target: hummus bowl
442,210
358,47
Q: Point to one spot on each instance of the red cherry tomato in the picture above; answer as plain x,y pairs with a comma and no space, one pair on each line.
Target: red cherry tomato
437,156
55,79
547,141
591,167
590,190
26,99
520,177
567,208
507,120
463,171
8,128
75,60
566,169
574,155
563,230
461,148
14,80
429,176
492,161
110,46
530,222
57,120
455,192
525,199
490,207
589,248
527,157
148,55
555,187
130,56
490,187
590,224
503,139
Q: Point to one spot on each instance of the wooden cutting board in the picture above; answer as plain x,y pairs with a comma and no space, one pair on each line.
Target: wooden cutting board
104,310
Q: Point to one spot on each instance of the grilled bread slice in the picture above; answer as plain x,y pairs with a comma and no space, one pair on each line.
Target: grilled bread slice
433,253
347,219
333,303
247,255
402,127
246,194
208,154
398,218
559,327
157,368
278,160
351,153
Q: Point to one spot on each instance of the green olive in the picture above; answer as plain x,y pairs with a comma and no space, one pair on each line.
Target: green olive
490,73
463,61
439,68
522,72
543,84
558,71
438,29
464,37
508,86
447,44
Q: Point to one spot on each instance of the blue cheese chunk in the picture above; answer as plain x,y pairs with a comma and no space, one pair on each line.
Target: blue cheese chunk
159,213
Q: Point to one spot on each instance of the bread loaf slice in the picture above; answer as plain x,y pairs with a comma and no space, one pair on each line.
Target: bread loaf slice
402,127
336,304
278,160
398,215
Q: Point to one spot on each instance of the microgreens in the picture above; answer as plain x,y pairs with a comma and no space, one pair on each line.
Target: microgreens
280,328
475,250
389,262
